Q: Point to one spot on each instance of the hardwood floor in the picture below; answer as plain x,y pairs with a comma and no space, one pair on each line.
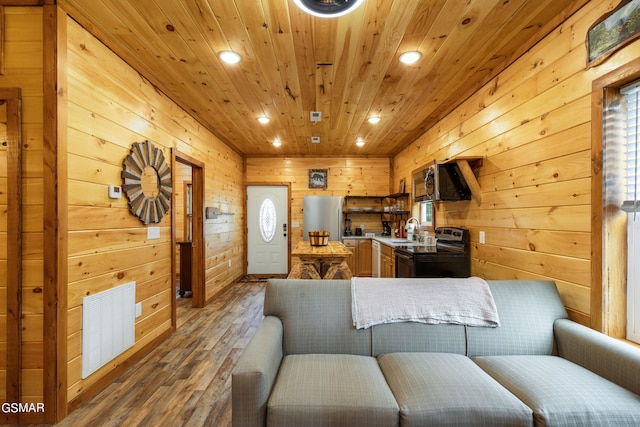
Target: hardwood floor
186,380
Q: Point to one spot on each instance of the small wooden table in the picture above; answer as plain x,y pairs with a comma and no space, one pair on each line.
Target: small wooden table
312,259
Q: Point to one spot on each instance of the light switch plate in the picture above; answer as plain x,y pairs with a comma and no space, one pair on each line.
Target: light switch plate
153,233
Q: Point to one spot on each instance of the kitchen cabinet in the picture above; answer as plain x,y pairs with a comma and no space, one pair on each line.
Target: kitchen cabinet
360,262
352,261
364,258
387,261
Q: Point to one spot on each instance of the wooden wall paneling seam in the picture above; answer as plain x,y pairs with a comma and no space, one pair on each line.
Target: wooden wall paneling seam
608,268
12,97
55,212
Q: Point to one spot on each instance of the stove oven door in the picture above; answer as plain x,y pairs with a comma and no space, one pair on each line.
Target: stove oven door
441,265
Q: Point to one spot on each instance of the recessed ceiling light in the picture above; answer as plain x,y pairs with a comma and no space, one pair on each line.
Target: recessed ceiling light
360,142
264,120
229,56
410,57
276,142
328,8
374,120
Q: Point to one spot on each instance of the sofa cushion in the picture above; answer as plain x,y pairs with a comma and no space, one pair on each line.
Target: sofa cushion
562,393
418,337
436,389
316,316
331,389
527,310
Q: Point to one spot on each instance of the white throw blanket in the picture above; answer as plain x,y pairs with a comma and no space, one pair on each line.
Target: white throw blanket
444,300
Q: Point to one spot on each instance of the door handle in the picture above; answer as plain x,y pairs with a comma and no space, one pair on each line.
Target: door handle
284,229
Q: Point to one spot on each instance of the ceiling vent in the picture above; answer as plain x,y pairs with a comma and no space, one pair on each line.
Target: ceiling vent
315,116
328,8
315,139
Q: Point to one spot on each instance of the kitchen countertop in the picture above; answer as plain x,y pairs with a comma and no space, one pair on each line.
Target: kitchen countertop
387,240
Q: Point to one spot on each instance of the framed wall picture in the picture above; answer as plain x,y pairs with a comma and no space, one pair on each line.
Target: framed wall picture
613,31
318,178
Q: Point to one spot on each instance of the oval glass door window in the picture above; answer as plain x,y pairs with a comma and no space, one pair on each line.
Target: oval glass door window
267,220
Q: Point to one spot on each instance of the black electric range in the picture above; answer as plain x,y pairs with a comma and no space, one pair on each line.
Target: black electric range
449,258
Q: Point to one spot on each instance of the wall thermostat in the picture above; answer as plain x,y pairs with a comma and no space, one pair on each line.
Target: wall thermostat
115,192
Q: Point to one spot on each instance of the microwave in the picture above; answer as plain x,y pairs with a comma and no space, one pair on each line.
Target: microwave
440,182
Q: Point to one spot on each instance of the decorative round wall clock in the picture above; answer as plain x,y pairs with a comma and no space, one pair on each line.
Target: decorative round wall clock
146,180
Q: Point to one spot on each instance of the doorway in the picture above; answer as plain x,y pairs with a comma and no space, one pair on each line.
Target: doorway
188,230
268,236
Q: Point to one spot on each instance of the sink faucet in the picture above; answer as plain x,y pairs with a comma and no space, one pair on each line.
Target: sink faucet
416,231
413,218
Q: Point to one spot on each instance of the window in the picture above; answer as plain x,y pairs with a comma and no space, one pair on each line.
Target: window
426,214
267,220
631,204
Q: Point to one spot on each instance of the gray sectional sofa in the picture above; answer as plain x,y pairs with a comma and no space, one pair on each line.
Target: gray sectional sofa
308,366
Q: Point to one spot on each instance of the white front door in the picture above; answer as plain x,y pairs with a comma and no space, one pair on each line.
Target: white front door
267,230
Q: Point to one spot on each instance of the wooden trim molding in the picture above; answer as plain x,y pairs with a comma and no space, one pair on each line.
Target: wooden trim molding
608,226
55,227
12,100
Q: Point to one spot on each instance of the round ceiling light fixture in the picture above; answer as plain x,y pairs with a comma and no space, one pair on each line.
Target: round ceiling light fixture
374,120
360,142
229,56
264,119
276,142
410,57
328,8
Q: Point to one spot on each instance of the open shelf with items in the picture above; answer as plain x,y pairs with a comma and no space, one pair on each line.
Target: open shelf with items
380,208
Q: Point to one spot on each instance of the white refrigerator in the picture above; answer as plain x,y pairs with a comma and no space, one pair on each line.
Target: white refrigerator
323,213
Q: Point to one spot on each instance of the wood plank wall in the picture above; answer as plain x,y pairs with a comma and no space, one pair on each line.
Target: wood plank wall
346,176
532,123
110,107
23,69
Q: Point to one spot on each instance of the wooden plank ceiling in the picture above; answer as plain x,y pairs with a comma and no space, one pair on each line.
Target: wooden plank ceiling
292,63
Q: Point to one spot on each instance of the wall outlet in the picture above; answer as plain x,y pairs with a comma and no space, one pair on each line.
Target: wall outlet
295,224
229,263
481,237
138,309
153,233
